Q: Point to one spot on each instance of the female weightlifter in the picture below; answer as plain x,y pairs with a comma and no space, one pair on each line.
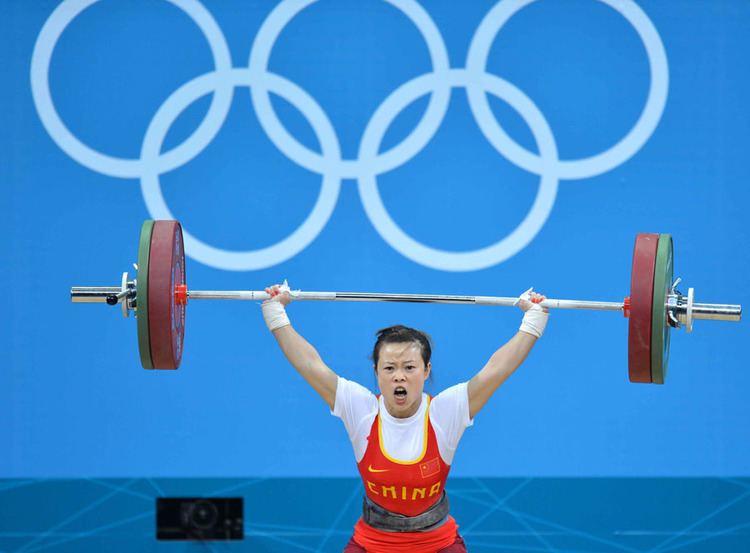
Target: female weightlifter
403,439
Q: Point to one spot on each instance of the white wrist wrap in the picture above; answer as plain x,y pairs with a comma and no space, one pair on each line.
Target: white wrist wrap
274,312
534,321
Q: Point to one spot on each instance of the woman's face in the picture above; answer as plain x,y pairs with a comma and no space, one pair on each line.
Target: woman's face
401,373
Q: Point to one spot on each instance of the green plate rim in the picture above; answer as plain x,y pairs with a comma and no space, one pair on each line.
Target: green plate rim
141,294
663,278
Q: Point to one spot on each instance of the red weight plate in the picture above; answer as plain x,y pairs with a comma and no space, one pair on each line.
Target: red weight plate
641,302
166,317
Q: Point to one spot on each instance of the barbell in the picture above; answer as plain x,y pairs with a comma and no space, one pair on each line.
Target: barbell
159,297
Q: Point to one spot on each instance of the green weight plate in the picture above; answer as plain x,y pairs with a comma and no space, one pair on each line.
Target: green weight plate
663,278
141,294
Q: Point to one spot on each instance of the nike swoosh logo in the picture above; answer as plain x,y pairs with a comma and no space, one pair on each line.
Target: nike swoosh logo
370,469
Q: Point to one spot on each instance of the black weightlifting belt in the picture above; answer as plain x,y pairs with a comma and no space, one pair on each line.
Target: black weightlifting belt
383,519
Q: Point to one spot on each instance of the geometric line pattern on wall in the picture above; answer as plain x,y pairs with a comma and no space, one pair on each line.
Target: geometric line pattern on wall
565,515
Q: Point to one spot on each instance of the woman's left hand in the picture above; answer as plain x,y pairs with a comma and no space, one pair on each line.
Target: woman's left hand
529,298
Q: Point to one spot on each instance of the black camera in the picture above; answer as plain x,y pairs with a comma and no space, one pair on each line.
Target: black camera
199,518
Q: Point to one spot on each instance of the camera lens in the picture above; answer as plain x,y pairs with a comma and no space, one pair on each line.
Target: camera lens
204,515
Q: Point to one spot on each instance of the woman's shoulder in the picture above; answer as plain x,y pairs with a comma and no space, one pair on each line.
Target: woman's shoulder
457,392
450,404
354,392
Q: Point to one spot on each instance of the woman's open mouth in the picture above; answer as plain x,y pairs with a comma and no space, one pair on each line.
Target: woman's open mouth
400,395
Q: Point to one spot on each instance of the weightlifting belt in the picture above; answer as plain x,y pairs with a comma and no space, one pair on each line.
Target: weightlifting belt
383,519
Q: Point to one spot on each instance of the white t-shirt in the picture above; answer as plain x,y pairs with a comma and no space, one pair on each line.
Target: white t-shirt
403,439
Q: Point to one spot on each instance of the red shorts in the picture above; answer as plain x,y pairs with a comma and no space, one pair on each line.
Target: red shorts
458,546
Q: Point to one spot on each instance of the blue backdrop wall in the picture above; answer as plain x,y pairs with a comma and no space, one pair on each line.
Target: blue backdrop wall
442,147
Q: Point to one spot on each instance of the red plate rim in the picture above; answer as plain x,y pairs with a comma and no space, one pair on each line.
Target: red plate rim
166,316
641,302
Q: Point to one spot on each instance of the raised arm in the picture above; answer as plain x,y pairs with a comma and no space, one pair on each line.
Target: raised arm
509,357
298,351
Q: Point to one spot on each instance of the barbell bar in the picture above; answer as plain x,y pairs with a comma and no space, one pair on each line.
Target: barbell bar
159,296
114,294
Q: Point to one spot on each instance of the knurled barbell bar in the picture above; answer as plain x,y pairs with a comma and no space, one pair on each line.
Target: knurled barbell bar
159,296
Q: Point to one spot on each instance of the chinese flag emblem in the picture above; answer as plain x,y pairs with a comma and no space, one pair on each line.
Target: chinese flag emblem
429,468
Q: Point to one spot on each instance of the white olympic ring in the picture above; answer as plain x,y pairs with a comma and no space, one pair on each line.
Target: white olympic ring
409,147
490,255
476,62
370,162
299,239
113,166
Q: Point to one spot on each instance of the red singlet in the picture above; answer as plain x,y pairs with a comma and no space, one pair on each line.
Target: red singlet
405,487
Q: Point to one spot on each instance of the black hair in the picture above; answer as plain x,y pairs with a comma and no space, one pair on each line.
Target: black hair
399,334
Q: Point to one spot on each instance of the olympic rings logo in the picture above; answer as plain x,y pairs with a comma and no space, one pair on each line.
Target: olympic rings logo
370,161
